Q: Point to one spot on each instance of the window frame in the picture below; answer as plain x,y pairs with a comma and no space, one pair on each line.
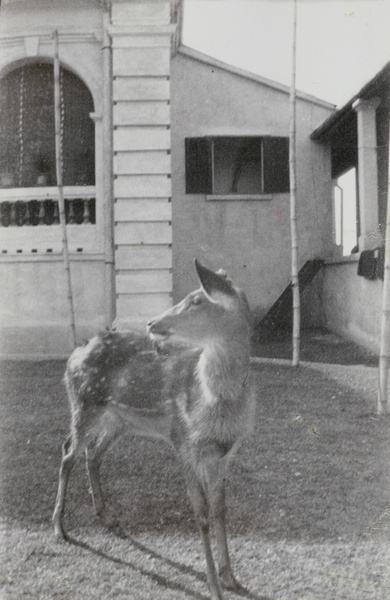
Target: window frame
33,109
31,241
200,167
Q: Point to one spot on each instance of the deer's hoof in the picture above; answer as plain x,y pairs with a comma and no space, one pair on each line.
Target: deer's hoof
59,533
118,530
114,526
229,582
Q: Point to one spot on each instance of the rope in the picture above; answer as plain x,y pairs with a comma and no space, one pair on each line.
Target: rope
62,119
21,119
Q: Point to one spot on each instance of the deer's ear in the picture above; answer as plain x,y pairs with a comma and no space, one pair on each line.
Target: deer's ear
215,286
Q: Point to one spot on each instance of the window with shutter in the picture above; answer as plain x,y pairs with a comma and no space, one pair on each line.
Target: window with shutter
237,167
198,166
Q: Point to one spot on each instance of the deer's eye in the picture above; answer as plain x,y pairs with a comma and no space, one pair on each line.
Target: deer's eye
197,300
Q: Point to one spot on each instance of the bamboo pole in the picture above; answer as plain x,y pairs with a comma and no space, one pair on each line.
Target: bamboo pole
384,354
109,255
293,204
61,201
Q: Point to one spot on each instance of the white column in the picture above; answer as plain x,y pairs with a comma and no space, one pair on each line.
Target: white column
368,172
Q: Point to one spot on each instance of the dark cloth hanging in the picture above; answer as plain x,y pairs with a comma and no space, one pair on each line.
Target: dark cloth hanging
380,263
372,263
366,266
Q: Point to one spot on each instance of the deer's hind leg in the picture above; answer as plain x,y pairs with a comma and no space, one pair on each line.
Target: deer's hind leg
70,450
94,454
86,425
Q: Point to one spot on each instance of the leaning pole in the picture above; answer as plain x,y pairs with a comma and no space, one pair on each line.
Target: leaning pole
60,187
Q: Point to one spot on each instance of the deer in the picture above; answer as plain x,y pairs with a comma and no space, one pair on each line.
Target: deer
186,380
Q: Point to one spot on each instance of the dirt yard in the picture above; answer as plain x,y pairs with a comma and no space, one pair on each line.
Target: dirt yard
308,497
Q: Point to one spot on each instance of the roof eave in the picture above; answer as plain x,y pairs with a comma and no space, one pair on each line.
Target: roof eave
324,131
216,63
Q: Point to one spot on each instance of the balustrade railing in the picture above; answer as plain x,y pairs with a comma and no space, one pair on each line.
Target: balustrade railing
39,206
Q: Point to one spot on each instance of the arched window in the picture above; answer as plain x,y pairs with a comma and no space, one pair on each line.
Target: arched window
27,146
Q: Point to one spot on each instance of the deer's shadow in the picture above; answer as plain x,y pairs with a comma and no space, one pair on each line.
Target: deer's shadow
161,580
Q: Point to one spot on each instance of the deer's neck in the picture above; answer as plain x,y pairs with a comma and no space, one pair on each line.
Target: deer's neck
223,370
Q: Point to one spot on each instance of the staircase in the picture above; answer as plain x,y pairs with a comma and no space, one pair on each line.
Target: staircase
279,315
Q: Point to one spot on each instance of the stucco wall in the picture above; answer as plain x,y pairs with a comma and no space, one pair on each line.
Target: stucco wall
75,15
34,316
251,239
34,312
352,304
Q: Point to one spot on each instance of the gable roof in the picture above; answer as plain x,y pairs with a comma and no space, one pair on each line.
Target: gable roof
218,64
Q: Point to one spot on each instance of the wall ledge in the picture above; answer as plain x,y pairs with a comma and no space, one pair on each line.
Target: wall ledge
41,257
237,197
342,260
39,357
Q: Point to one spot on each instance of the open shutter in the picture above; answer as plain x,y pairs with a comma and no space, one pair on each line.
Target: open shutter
276,168
198,166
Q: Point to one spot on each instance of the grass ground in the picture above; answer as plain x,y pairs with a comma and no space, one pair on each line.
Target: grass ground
308,497
317,345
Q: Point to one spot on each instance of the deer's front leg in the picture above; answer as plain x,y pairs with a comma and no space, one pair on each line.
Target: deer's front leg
215,475
200,504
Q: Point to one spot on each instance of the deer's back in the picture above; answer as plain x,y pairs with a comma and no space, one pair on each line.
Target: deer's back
120,375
